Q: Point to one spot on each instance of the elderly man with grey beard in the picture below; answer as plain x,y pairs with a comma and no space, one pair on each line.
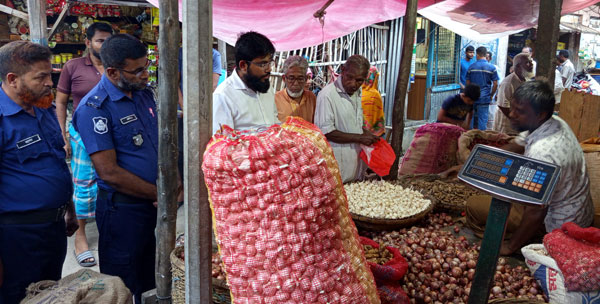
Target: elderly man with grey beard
294,99
523,71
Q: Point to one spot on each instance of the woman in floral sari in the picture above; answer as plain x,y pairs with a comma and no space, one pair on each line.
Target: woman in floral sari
372,104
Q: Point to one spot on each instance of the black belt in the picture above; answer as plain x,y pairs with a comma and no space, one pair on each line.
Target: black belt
33,217
119,197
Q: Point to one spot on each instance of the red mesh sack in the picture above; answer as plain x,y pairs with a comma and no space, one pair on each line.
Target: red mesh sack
379,157
590,234
281,218
578,259
393,270
392,293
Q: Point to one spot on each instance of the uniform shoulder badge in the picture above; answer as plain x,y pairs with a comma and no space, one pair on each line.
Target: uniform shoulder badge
100,125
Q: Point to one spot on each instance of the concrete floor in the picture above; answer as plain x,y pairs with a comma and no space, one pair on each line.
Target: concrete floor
71,266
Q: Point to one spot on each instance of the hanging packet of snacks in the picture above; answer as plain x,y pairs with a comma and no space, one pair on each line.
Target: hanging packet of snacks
281,218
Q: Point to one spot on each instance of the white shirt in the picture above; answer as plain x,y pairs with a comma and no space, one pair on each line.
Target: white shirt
236,105
567,71
554,142
339,111
507,88
558,86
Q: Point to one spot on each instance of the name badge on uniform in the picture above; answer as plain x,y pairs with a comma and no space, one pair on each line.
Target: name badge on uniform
28,141
127,119
138,140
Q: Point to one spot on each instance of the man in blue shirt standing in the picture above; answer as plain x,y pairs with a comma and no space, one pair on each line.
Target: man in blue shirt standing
465,63
36,211
119,128
485,75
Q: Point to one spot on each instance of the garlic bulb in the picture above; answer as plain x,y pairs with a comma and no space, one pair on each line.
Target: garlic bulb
380,199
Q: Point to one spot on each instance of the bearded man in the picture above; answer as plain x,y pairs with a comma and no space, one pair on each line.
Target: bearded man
245,99
522,71
77,78
36,211
295,99
119,128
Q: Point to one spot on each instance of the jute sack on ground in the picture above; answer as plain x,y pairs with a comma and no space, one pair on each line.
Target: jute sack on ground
469,139
83,287
433,149
591,150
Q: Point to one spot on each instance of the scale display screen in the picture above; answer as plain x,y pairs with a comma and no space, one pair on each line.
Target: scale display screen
510,176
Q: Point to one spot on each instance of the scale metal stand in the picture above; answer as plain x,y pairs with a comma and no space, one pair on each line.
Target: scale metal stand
509,178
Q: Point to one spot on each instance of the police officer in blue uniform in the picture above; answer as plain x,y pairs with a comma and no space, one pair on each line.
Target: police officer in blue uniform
36,211
119,128
483,74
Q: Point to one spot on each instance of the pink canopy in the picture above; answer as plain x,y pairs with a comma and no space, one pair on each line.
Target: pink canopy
290,24
484,20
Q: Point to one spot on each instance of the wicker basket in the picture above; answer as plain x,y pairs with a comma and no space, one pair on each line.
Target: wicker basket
515,301
407,180
220,291
378,224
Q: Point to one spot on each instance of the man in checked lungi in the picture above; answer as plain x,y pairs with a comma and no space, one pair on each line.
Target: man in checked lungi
77,78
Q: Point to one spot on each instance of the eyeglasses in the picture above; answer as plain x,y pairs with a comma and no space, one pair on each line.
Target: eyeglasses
138,72
263,64
294,79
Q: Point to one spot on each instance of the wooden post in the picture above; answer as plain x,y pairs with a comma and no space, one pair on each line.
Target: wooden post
197,106
37,21
545,45
168,178
408,37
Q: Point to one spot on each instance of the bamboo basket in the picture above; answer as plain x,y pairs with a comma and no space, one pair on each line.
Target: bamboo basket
220,291
515,301
378,224
441,205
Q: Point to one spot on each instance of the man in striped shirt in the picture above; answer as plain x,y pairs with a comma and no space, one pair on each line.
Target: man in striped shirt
485,75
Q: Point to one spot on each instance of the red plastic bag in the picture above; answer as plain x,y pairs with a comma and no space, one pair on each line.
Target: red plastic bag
379,157
578,260
393,270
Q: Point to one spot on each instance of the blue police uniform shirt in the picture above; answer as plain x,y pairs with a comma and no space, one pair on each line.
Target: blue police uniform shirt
483,74
108,119
33,172
464,67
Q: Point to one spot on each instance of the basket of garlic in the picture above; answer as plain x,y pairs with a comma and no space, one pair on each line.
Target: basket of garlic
380,205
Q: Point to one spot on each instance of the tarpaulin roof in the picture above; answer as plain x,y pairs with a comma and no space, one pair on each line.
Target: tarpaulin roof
485,20
290,23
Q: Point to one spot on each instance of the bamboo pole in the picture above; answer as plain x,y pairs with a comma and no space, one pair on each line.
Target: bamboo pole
167,185
410,20
545,45
197,106
37,21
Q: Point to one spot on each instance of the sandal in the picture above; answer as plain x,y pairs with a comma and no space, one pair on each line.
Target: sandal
86,255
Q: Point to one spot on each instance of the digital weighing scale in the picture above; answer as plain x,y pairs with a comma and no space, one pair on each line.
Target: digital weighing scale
509,178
